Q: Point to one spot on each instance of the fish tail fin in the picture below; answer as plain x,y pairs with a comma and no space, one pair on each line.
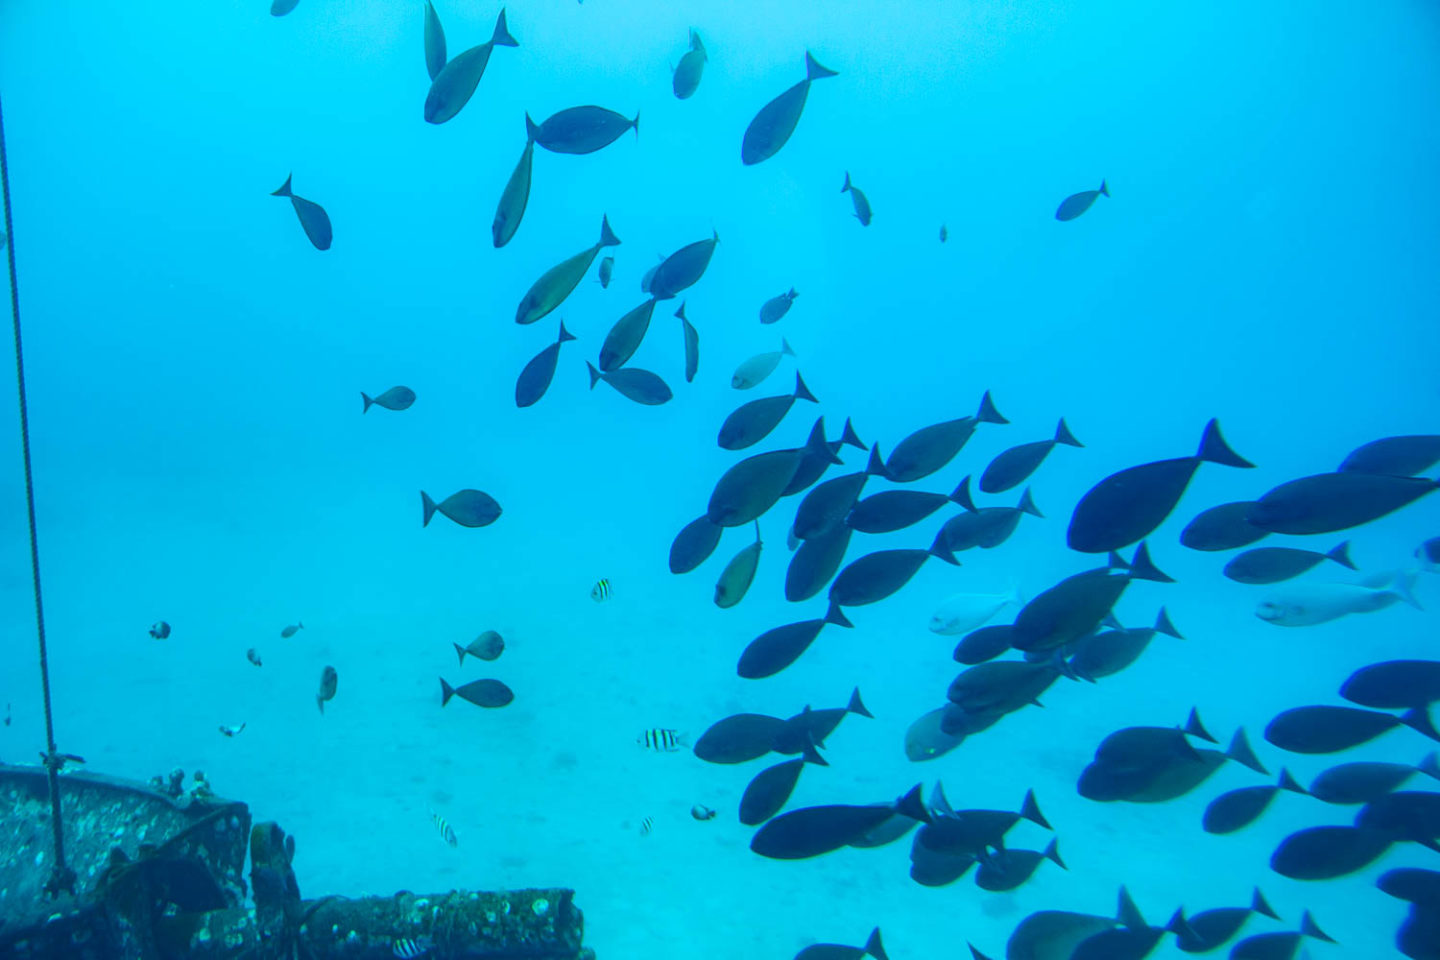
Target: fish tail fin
531,130
594,374
793,294
320,702
1418,719
802,392
961,495
1194,728
848,434
564,334
837,616
1341,555
1309,928
1287,782
368,400
1240,751
1104,188
284,190
814,71
1260,905
1163,625
501,37
1030,810
680,311
1052,853
1027,505
912,806
300,624
636,124
1114,561
1127,913
811,755
940,547
1429,766
815,444
785,348
1178,925
607,236
1143,568
875,466
988,413
1063,435
427,505
975,954
1214,449
856,705
847,182
874,947
1404,587
695,43
460,652
446,692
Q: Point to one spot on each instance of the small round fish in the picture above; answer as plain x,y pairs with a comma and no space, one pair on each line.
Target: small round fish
407,948
443,828
253,656
487,646
396,398
160,630
232,730
701,812
292,629
601,591
607,270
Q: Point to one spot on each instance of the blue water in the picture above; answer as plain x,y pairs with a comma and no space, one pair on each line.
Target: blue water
1268,257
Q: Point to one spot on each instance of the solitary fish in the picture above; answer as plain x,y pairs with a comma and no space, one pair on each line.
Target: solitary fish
434,42
232,729
1328,502
692,344
442,827
1395,456
688,71
482,693
835,951
488,646
559,281
292,629
514,198
642,386
278,8
683,268
581,130
396,398
1077,203
944,234
625,336
930,448
469,508
313,218
1306,604
1014,466
535,378
601,591
1274,564
862,203
777,648
754,371
661,740
1127,506
776,307
775,122
752,422
329,679
253,656
1222,528
160,630
607,270
453,86
738,574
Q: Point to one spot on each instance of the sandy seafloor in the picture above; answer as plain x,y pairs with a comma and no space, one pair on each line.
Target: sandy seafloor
1267,258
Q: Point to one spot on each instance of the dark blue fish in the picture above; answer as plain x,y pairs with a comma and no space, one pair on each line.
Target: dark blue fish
1106,654
469,508
688,71
776,307
739,738
985,527
1001,686
513,199
878,575
607,270
816,562
1328,502
1327,729
559,281
776,649
581,130
1211,929
974,832
1238,809
683,268
642,386
983,645
278,8
1274,564
892,510
930,448
862,203
752,422
776,121
835,951
812,831
396,398
753,485
770,789
1324,853
1222,528
1077,203
1006,869
1394,685
815,726
1352,783
1395,456
1279,946
1127,506
313,218
535,379
814,464
434,42
828,503
1014,466
694,544
1077,605
738,574
452,88
625,336
692,344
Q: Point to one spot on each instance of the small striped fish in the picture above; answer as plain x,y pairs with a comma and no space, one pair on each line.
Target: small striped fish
646,826
446,833
601,591
661,740
407,949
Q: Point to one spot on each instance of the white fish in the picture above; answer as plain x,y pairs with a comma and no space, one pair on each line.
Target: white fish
231,730
760,366
1306,604
967,611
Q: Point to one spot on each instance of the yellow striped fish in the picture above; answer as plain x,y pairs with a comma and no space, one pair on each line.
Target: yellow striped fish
661,740
446,832
646,826
601,591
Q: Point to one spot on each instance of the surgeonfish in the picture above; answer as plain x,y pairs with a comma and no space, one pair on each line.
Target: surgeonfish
488,646
965,612
313,218
396,398
514,198
469,508
773,125
688,71
581,130
535,378
1077,203
776,307
453,86
559,281
692,344
291,629
862,203
329,680
633,383
683,268
1307,604
434,42
1014,466
754,370
738,574
482,693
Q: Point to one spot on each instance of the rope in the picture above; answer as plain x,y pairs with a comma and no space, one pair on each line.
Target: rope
61,876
